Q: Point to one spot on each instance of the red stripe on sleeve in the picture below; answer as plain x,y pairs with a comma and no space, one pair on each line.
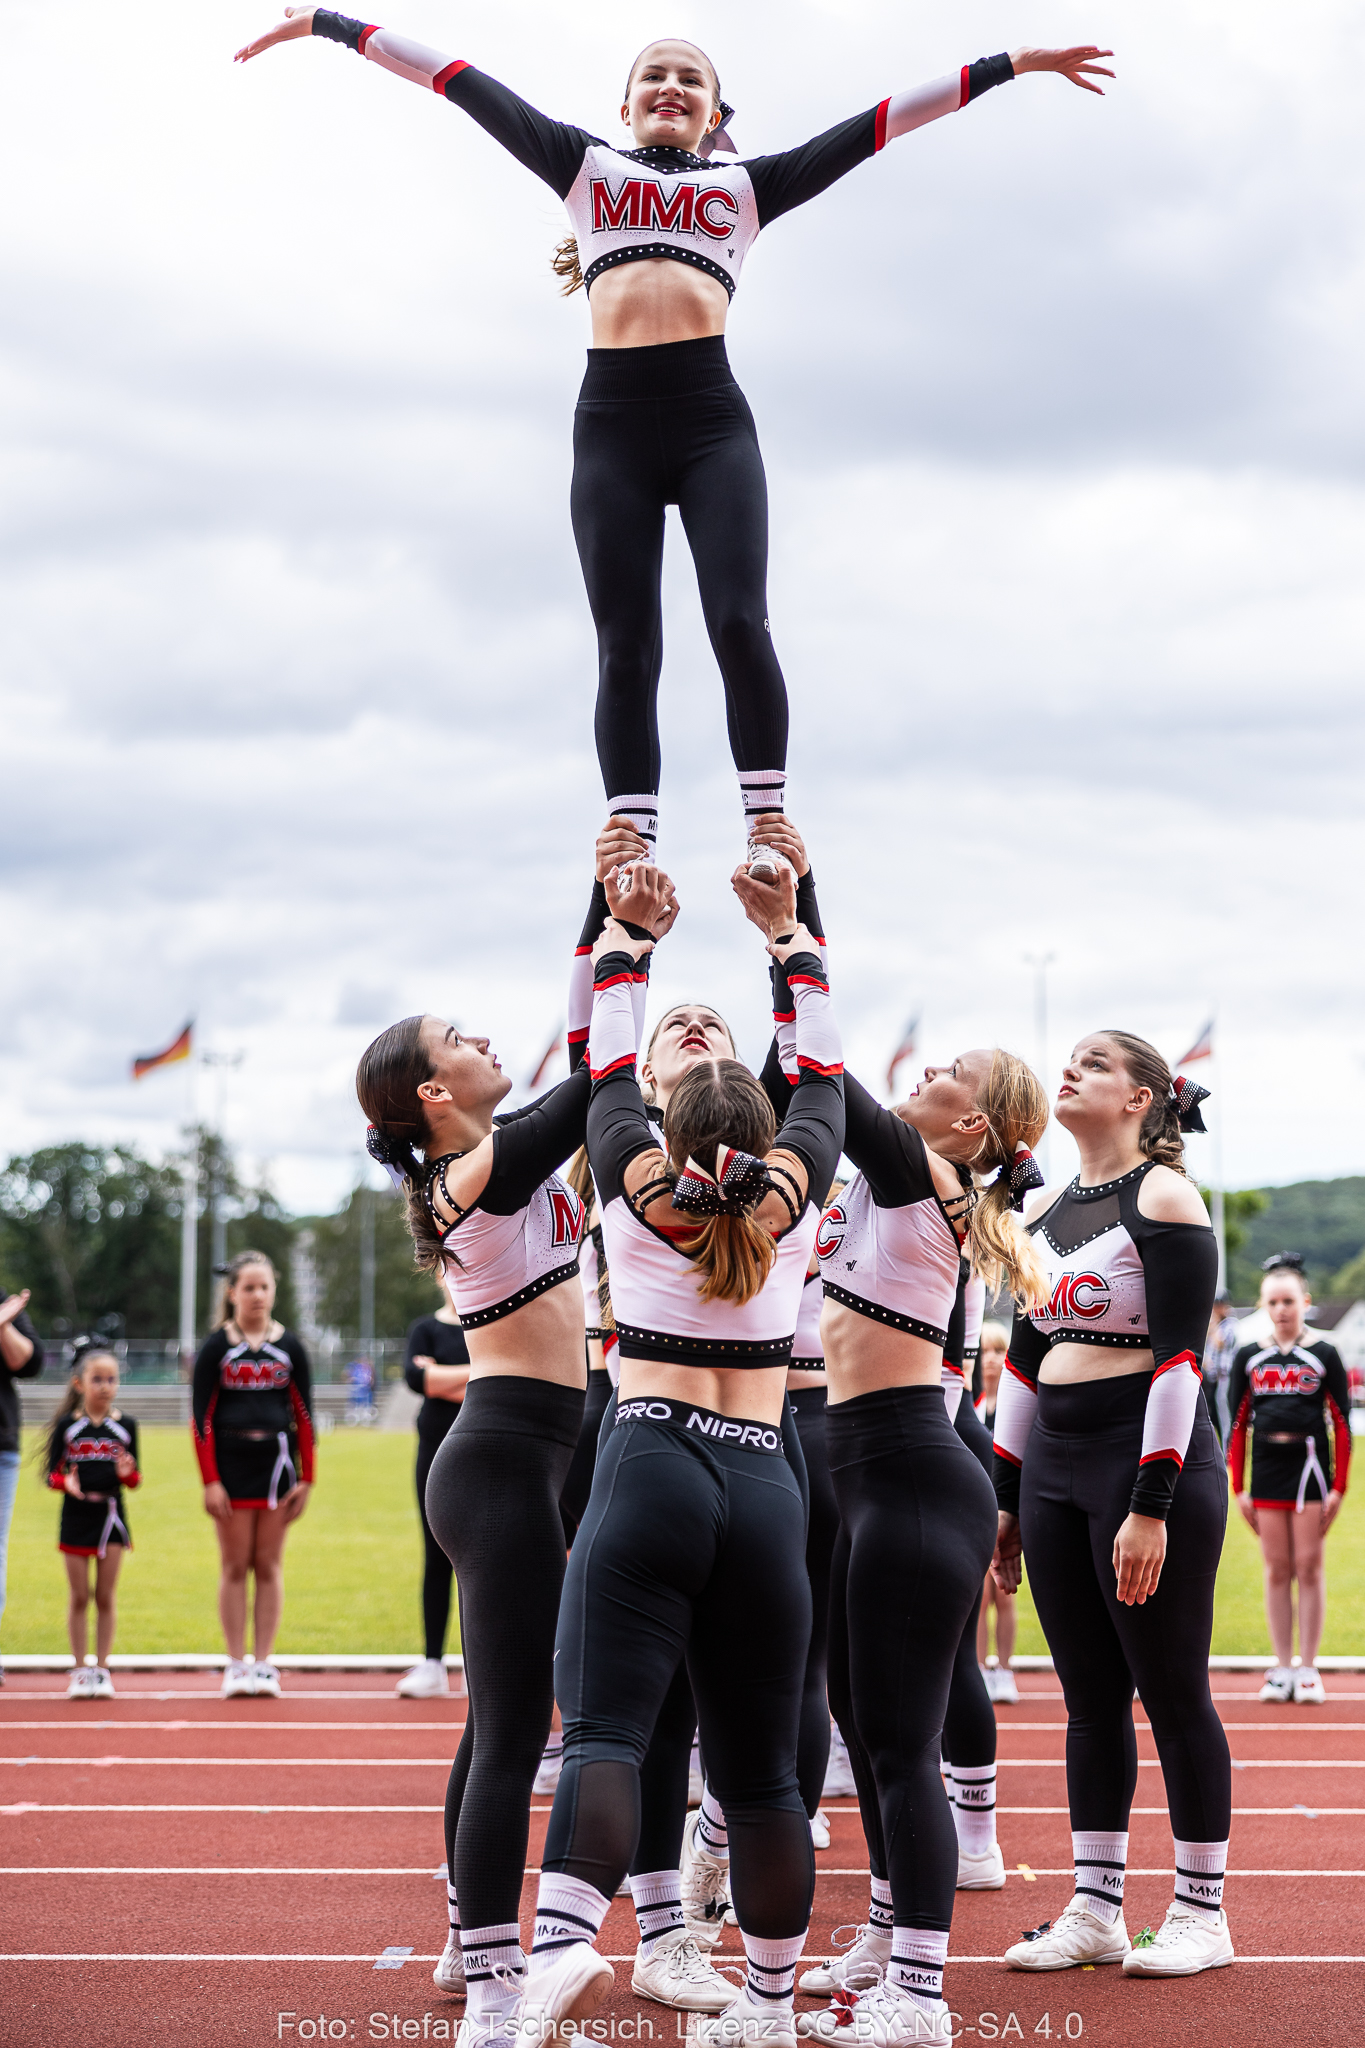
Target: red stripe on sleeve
1181,1358
1341,1447
1237,1446
305,1428
882,112
616,1067
438,83
1009,1457
964,91
1152,1456
370,29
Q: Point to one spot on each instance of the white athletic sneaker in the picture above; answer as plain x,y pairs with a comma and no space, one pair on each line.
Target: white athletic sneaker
1278,1689
1309,1690
883,2017
861,1966
265,1682
1006,1692
819,1829
839,1782
237,1681
490,2029
449,1972
1076,1936
705,1887
101,1684
746,2024
1185,1943
81,1684
988,1679
763,864
425,1681
983,1873
549,1770
679,1974
570,1988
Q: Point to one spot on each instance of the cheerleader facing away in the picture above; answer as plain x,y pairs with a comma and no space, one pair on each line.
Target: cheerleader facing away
91,1458
662,223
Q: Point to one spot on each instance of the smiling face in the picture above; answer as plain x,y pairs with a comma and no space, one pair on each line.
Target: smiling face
943,1106
1284,1299
463,1069
672,97
682,1037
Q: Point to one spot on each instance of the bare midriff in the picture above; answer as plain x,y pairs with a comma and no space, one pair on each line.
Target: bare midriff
863,1357
802,1376
644,304
542,1341
747,1395
1067,1365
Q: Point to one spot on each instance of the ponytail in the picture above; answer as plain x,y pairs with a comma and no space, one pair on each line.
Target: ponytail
1000,1249
565,264
736,1255
391,1071
719,1104
578,1174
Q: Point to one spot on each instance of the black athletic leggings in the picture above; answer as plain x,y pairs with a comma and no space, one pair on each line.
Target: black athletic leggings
669,426
691,1546
917,1523
969,1725
436,1566
822,1527
573,1500
1075,1489
493,1501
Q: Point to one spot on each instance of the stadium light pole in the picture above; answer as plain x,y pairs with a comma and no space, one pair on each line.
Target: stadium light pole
366,1198
1040,962
217,1212
189,1220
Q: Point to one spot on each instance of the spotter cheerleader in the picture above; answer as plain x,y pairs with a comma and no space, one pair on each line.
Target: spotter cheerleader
1285,1392
694,1533
91,1458
1108,1473
436,1366
489,1212
253,1436
660,233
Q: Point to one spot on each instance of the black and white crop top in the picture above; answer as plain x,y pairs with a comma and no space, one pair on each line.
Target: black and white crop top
1116,1278
629,205
656,1298
807,1351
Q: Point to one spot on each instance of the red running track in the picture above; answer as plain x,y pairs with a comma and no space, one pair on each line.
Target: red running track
179,1869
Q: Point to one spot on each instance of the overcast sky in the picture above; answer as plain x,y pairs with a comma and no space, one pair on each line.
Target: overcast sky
1061,405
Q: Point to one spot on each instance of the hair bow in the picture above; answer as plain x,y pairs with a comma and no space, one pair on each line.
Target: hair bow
388,1152
1021,1174
719,138
1187,1096
1286,1262
738,1182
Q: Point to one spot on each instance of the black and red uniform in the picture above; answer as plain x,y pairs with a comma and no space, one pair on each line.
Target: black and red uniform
1285,1399
92,1450
253,1416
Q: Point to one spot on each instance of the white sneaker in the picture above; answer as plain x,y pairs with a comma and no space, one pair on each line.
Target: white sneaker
1006,1693
1309,1690
449,1972
1185,1943
265,1682
569,1988
983,1873
1278,1689
679,1974
763,863
883,2017
705,1887
696,1781
839,1782
819,1829
101,1684
81,1684
425,1681
861,1966
988,1679
489,2028
1076,1936
550,1768
237,1680
746,2024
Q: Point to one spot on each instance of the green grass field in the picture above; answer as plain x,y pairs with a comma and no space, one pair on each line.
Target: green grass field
353,1566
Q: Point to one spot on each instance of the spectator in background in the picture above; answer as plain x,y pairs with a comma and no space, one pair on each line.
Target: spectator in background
360,1373
436,1366
21,1358
1000,1681
1219,1352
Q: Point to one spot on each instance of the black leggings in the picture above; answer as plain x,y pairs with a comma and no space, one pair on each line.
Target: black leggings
436,1566
917,1524
822,1527
1076,1485
573,1500
493,1501
669,426
689,1546
969,1724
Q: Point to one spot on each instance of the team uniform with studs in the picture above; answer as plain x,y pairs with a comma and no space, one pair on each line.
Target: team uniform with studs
668,424
92,1450
1285,1399
253,1416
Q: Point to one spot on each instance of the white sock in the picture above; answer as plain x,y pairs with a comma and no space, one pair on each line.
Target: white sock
1199,1872
712,1832
452,1907
567,1911
772,1968
494,1967
658,1905
971,1787
642,810
917,1958
879,1915
761,789
1100,1863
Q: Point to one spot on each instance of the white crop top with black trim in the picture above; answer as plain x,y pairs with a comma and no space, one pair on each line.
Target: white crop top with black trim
807,1350
506,1261
1097,1288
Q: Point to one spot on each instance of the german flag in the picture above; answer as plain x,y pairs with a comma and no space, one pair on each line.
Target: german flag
178,1049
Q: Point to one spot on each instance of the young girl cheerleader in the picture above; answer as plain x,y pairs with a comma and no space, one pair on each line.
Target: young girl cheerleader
91,1458
660,233
253,1436
1285,1393
1109,1478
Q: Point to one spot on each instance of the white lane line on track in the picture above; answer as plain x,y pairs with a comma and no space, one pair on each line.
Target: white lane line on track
369,1957
442,1763
245,1727
42,1806
532,1870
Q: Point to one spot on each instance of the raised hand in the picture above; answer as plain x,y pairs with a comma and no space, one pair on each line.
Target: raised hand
642,895
1077,64
298,21
769,905
15,1305
618,843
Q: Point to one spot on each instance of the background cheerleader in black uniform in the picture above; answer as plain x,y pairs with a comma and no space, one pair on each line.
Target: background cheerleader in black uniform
436,1366
91,1457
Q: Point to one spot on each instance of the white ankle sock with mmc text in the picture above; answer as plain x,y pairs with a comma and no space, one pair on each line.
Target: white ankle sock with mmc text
658,1905
1199,1871
1101,1860
568,1910
917,1958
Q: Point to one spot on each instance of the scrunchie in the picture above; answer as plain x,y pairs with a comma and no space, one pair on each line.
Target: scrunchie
1021,1175
394,1155
1186,1097
738,1183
